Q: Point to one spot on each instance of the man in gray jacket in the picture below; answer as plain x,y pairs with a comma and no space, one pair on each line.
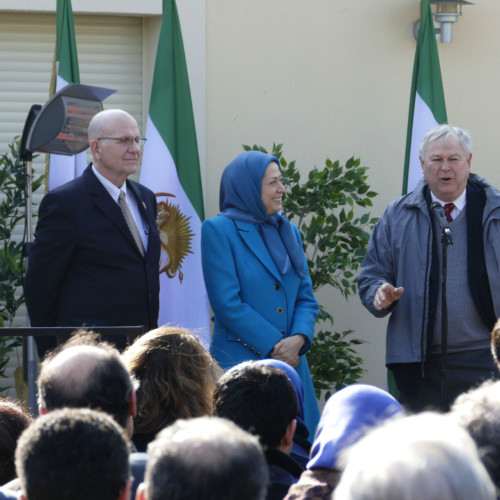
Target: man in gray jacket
402,276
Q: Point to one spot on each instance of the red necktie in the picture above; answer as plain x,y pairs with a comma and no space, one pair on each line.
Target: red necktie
448,208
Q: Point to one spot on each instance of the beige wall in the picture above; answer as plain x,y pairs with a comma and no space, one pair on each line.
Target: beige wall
332,78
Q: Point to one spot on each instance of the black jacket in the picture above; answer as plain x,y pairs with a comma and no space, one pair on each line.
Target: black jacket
84,266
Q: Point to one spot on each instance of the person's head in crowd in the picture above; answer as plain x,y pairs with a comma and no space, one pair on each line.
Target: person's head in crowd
13,421
294,378
301,446
177,377
446,141
87,373
260,399
478,411
495,343
425,455
206,458
74,454
347,416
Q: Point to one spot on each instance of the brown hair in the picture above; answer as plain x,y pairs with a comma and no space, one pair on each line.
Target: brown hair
176,374
495,343
13,420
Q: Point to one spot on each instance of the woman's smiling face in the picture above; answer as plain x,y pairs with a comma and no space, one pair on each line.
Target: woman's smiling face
272,189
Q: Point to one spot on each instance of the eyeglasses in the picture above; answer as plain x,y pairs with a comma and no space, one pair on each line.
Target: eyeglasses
126,141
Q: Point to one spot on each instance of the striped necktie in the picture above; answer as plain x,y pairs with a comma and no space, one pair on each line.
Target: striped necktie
129,219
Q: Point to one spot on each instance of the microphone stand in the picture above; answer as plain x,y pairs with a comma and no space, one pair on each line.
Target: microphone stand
30,356
446,240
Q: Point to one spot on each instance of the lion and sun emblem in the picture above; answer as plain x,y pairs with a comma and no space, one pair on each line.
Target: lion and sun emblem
175,237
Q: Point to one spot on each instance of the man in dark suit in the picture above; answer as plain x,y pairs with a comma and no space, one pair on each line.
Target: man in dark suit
85,265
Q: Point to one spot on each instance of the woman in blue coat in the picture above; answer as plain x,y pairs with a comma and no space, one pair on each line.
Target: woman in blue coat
256,274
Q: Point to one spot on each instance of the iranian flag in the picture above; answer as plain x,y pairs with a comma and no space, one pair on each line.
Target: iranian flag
171,169
427,106
65,168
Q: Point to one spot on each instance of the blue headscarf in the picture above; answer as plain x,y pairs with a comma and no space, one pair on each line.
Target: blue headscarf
347,416
240,199
294,378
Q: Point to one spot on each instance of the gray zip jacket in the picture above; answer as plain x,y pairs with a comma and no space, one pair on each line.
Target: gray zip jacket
400,252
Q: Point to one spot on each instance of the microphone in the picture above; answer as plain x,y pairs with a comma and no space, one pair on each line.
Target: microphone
438,211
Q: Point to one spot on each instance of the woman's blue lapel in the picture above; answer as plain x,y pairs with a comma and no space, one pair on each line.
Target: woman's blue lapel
249,233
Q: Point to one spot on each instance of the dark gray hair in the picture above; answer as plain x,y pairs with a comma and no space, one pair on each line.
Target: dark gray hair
73,453
208,458
105,386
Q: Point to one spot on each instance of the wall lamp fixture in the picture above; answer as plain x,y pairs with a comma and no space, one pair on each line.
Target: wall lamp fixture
446,14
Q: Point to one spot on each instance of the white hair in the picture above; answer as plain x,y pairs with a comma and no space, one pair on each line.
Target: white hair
447,132
421,456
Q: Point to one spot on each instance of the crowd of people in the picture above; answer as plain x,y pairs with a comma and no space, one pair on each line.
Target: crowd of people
157,416
235,435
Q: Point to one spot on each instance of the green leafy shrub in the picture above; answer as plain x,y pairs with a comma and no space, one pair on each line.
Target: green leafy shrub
12,212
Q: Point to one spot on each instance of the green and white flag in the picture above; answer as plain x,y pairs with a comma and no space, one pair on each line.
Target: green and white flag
65,168
427,106
171,169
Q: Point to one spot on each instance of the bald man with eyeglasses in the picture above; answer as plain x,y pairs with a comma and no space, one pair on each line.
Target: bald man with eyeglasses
95,256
